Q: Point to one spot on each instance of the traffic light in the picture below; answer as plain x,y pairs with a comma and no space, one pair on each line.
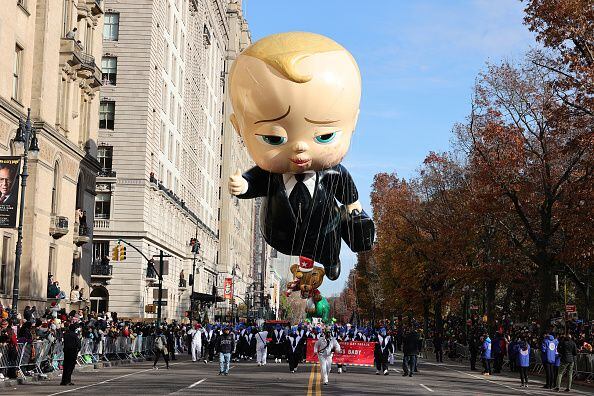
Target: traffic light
122,253
115,254
191,280
195,244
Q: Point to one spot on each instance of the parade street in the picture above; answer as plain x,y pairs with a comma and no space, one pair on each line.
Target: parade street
188,378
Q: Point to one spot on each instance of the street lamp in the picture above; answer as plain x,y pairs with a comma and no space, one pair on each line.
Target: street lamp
25,140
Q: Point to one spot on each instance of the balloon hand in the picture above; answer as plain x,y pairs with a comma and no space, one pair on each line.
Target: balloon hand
237,184
354,206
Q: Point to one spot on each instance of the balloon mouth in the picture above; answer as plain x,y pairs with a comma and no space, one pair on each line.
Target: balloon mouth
300,162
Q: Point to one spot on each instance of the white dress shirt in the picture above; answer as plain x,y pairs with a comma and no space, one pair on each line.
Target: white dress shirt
309,181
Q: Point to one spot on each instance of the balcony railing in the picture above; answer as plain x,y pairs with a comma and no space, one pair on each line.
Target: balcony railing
81,234
102,224
58,226
87,60
101,270
106,173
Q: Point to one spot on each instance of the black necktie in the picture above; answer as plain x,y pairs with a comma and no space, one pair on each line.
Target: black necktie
300,198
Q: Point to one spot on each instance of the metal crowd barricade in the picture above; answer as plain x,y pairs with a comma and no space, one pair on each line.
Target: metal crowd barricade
584,367
536,361
6,360
43,355
462,352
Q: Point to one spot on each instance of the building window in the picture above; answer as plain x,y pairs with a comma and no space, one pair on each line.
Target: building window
4,264
163,138
111,26
105,157
16,72
100,250
106,115
52,261
109,67
170,148
102,205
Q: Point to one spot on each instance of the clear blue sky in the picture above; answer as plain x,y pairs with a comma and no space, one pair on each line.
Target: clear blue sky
418,62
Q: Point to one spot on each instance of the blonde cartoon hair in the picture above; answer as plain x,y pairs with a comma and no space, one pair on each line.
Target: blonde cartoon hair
283,51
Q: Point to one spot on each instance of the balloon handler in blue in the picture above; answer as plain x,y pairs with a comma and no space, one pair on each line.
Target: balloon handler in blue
307,278
295,100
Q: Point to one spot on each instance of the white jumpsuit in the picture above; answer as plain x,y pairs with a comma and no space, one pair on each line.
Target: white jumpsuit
196,344
261,350
324,349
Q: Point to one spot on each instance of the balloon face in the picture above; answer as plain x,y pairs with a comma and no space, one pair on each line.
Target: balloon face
292,127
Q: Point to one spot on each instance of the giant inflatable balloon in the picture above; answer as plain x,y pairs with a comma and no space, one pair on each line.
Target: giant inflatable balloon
295,100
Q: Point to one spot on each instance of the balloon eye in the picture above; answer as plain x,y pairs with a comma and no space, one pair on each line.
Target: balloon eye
326,138
273,140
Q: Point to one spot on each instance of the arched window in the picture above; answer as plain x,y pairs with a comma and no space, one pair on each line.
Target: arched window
99,299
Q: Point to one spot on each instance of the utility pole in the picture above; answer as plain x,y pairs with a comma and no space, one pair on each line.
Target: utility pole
160,274
195,248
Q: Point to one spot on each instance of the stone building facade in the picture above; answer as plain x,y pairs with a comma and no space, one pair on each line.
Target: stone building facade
50,66
162,149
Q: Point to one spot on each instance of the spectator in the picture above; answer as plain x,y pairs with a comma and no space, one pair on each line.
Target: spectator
486,354
75,294
71,34
522,354
410,348
567,353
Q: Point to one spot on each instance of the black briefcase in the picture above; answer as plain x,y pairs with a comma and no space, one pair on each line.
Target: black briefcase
357,230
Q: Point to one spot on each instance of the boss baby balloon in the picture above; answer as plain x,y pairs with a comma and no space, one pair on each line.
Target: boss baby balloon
296,100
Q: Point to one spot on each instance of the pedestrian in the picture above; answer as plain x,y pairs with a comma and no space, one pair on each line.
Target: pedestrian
196,342
293,348
438,347
278,343
567,352
512,354
160,348
383,348
522,354
225,345
208,344
410,348
474,347
170,343
261,347
324,347
71,347
549,352
486,354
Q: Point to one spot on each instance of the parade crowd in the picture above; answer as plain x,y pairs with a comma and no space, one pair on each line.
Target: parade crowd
511,345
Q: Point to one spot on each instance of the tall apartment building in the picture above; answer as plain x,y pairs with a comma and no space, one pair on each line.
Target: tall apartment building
236,226
49,67
161,123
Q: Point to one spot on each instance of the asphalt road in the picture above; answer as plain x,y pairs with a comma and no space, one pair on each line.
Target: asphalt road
188,378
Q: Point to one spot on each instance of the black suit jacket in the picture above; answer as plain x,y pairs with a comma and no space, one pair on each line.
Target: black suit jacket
317,234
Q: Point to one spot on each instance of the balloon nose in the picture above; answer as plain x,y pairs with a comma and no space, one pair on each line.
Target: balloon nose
300,147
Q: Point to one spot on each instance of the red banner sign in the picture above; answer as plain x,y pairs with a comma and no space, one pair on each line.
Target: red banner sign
228,289
354,353
570,308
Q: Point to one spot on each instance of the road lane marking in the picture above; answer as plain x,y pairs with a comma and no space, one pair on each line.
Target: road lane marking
99,383
426,387
197,383
108,380
310,381
319,381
